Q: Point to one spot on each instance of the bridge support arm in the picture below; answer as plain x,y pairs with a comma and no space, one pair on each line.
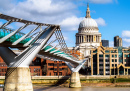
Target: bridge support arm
25,58
75,78
7,55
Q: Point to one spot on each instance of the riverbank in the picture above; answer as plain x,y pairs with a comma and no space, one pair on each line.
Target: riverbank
85,88
121,84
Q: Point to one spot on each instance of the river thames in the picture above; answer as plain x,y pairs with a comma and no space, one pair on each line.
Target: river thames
83,89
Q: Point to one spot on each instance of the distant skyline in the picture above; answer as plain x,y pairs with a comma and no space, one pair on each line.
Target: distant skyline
112,16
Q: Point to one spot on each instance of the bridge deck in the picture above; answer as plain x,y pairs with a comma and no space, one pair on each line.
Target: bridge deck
8,43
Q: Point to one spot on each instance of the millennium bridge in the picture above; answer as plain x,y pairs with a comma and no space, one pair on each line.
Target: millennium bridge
34,43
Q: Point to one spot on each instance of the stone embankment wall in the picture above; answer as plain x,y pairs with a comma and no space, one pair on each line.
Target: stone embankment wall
83,79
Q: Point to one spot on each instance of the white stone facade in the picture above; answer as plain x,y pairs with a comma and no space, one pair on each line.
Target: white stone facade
88,35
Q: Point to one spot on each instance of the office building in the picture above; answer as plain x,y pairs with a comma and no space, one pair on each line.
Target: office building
105,43
117,41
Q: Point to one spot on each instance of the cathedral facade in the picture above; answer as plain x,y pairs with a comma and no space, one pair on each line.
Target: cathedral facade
88,35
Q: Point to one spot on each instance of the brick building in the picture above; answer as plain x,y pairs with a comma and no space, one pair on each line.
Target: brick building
40,67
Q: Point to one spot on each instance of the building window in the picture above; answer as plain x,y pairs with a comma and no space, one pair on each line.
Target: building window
112,65
34,69
125,70
55,69
107,60
60,73
106,51
50,64
100,60
128,55
107,64
115,65
106,55
60,64
125,60
100,55
100,64
115,56
60,69
112,60
125,55
55,64
63,64
55,73
100,69
107,69
115,60
112,55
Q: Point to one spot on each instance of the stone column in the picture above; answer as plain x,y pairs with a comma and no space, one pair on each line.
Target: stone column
75,80
18,79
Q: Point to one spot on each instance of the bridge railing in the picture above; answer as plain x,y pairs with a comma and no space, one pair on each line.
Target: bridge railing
5,31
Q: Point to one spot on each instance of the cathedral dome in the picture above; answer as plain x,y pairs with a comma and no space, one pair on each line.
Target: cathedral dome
88,23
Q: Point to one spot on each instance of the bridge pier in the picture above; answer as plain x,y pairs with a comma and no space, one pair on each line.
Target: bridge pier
18,79
75,80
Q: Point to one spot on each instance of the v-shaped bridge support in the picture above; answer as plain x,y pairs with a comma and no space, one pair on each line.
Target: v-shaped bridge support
18,74
75,78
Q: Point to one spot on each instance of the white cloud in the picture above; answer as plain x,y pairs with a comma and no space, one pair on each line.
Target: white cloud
126,33
46,11
126,40
111,44
100,21
71,23
101,1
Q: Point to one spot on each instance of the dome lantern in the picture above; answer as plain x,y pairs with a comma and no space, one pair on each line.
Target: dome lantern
88,12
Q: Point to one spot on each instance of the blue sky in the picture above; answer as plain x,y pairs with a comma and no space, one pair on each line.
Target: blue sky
112,16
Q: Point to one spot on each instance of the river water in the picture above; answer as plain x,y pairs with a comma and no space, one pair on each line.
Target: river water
83,89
